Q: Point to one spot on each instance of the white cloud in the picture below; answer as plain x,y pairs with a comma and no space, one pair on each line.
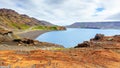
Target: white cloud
64,12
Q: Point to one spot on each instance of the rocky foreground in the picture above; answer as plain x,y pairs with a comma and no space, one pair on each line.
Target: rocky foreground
100,52
101,41
10,41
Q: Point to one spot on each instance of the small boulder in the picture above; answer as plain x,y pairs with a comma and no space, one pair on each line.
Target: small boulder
17,40
28,41
6,35
84,44
109,39
98,36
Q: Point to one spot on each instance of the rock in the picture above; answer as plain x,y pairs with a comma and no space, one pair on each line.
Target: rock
84,44
116,36
109,39
101,41
28,41
36,42
17,40
24,41
98,36
3,32
6,35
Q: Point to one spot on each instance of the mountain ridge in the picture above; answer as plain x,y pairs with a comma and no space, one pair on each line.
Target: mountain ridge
96,25
12,20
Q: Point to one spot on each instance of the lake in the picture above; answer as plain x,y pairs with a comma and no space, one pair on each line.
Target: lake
72,36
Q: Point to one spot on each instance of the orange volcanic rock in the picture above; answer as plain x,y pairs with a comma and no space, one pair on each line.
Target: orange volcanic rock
101,41
73,58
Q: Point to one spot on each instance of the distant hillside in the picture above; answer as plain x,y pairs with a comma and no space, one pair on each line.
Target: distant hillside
96,25
10,19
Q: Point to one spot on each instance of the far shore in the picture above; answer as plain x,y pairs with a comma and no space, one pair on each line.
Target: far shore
32,34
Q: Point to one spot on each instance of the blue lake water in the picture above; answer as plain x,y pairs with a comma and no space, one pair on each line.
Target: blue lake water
72,36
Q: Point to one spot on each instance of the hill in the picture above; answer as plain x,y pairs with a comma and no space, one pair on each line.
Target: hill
10,19
96,25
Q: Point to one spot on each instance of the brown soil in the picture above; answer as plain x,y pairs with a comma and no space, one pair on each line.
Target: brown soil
100,54
73,58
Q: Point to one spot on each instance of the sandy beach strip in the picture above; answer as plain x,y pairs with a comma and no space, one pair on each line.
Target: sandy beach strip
32,34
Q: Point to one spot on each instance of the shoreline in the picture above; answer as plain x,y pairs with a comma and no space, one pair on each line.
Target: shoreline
32,34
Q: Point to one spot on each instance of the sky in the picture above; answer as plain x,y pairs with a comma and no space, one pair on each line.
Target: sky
66,12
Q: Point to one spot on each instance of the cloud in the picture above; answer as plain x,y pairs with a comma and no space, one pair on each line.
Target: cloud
64,12
114,17
53,2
